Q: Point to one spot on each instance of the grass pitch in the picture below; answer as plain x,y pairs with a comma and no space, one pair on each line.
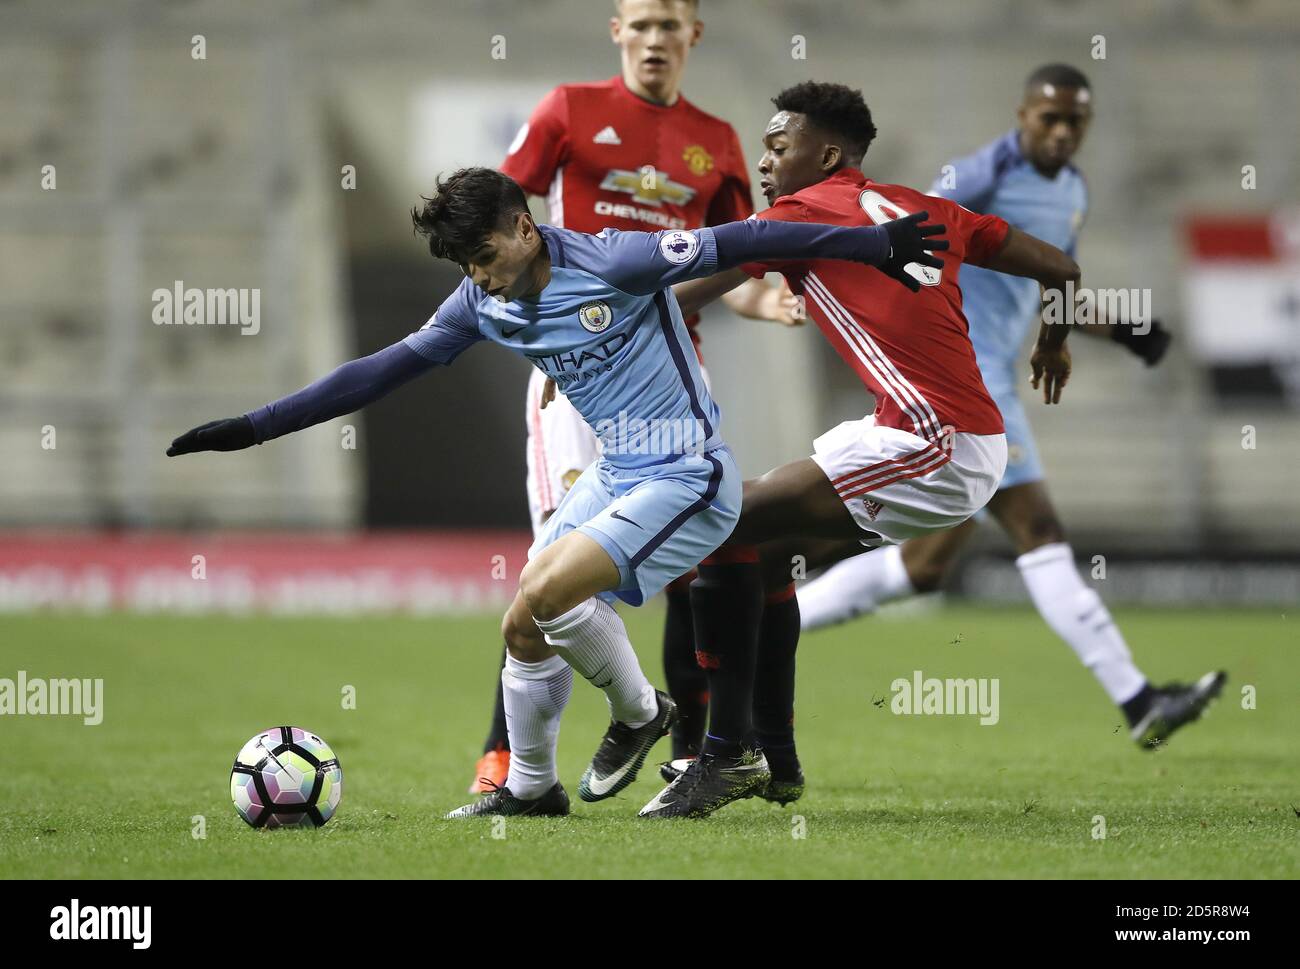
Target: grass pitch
888,795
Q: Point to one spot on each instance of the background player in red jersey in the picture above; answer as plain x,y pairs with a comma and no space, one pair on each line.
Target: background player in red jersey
927,459
629,153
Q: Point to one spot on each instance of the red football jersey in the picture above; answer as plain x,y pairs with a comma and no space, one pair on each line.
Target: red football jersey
604,157
912,350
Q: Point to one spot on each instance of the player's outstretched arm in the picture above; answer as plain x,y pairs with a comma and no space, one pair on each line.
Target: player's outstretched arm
1146,339
1025,255
889,247
645,262
348,388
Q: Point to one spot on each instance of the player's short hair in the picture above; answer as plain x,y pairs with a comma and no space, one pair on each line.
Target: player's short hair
618,5
1057,75
835,108
466,207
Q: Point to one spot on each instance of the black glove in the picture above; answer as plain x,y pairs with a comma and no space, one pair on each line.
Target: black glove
909,241
227,434
1150,346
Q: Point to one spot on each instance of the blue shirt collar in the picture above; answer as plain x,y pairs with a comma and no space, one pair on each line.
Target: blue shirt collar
1010,143
554,244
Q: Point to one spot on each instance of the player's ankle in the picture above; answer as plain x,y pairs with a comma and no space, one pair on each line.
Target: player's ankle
721,746
1135,707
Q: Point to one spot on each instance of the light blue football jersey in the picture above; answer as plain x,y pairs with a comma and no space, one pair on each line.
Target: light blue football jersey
998,180
611,334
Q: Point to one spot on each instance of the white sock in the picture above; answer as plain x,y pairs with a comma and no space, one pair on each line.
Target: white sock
853,587
593,640
1077,614
535,695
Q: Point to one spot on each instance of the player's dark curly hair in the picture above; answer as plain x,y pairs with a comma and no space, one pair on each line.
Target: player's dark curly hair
466,207
1057,75
834,108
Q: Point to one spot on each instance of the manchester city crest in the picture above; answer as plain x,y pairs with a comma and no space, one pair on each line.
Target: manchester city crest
595,316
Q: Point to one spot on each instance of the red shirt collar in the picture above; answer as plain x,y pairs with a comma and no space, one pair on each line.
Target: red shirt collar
621,85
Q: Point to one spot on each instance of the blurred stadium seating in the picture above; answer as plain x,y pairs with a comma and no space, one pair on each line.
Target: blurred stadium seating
225,172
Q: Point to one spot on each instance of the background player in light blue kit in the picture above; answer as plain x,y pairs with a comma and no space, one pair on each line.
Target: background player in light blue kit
1025,176
594,313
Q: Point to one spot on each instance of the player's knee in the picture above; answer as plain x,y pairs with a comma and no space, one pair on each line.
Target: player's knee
1041,529
542,590
926,564
927,574
680,587
510,631
754,508
523,639
781,566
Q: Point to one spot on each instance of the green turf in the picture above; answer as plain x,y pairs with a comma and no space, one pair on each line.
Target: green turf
888,795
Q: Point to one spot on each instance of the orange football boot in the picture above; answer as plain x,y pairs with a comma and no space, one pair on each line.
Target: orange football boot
491,771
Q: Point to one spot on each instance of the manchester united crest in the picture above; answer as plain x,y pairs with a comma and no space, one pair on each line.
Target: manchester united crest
699,161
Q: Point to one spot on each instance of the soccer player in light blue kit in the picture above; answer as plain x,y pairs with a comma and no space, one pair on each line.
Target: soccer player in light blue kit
594,313
1025,176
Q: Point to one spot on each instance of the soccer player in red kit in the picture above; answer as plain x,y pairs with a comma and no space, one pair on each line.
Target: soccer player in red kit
928,458
628,153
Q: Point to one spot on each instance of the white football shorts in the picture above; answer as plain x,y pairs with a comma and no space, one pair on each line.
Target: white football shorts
899,486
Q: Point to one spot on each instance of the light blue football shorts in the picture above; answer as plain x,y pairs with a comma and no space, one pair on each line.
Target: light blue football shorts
655,522
1023,465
